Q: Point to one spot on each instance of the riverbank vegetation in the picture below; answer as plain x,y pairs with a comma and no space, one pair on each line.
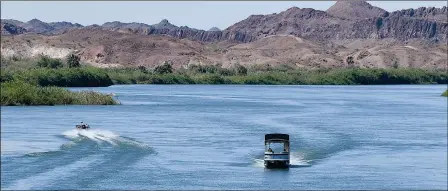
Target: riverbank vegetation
75,75
445,93
53,72
196,74
39,85
38,82
15,93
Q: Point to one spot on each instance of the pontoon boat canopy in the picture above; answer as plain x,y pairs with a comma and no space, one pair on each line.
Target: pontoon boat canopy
274,137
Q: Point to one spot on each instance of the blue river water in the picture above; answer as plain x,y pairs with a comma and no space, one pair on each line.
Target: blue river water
211,137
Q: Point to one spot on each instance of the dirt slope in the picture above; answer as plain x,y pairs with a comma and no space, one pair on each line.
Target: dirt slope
111,48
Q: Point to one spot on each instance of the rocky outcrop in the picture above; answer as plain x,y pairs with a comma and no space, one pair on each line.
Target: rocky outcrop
62,26
214,29
10,29
117,25
427,13
37,26
403,27
354,10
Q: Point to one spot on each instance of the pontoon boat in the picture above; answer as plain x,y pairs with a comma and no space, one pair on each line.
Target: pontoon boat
276,153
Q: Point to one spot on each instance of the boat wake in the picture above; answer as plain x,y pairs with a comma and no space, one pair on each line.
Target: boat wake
297,160
88,153
101,137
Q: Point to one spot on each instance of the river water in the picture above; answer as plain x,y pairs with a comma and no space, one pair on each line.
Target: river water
211,137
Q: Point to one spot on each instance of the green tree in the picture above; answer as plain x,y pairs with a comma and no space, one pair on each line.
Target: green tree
165,68
350,61
73,61
142,69
47,62
241,70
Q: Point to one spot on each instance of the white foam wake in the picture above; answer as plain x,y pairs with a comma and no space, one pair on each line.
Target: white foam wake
95,135
296,160
102,136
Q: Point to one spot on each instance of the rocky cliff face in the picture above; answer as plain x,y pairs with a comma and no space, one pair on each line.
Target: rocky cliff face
166,28
427,13
345,20
319,25
399,26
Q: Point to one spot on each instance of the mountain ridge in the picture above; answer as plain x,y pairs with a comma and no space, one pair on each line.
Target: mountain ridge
344,20
303,37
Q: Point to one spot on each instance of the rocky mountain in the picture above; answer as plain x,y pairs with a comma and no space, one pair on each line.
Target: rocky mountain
103,48
302,37
344,20
164,27
40,27
214,29
321,26
355,10
37,26
62,26
430,13
11,29
118,25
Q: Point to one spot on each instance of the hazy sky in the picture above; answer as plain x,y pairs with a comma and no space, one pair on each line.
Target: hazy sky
195,14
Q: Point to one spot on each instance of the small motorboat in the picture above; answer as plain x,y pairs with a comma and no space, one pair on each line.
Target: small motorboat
82,126
276,159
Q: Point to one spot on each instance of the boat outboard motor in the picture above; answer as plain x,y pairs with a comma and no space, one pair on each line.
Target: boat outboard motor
82,126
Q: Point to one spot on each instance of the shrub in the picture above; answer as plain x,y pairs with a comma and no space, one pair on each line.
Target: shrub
241,70
73,61
226,72
47,62
445,93
164,69
142,69
211,79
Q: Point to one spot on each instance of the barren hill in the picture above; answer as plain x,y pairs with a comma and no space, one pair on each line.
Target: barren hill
111,48
300,37
344,20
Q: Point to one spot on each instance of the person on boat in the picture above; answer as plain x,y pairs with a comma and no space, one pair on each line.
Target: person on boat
83,126
270,150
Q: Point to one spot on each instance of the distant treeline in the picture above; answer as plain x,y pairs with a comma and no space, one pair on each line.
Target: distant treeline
42,75
291,77
39,82
63,77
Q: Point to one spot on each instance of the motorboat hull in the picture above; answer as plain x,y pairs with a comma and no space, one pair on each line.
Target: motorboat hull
276,163
278,160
